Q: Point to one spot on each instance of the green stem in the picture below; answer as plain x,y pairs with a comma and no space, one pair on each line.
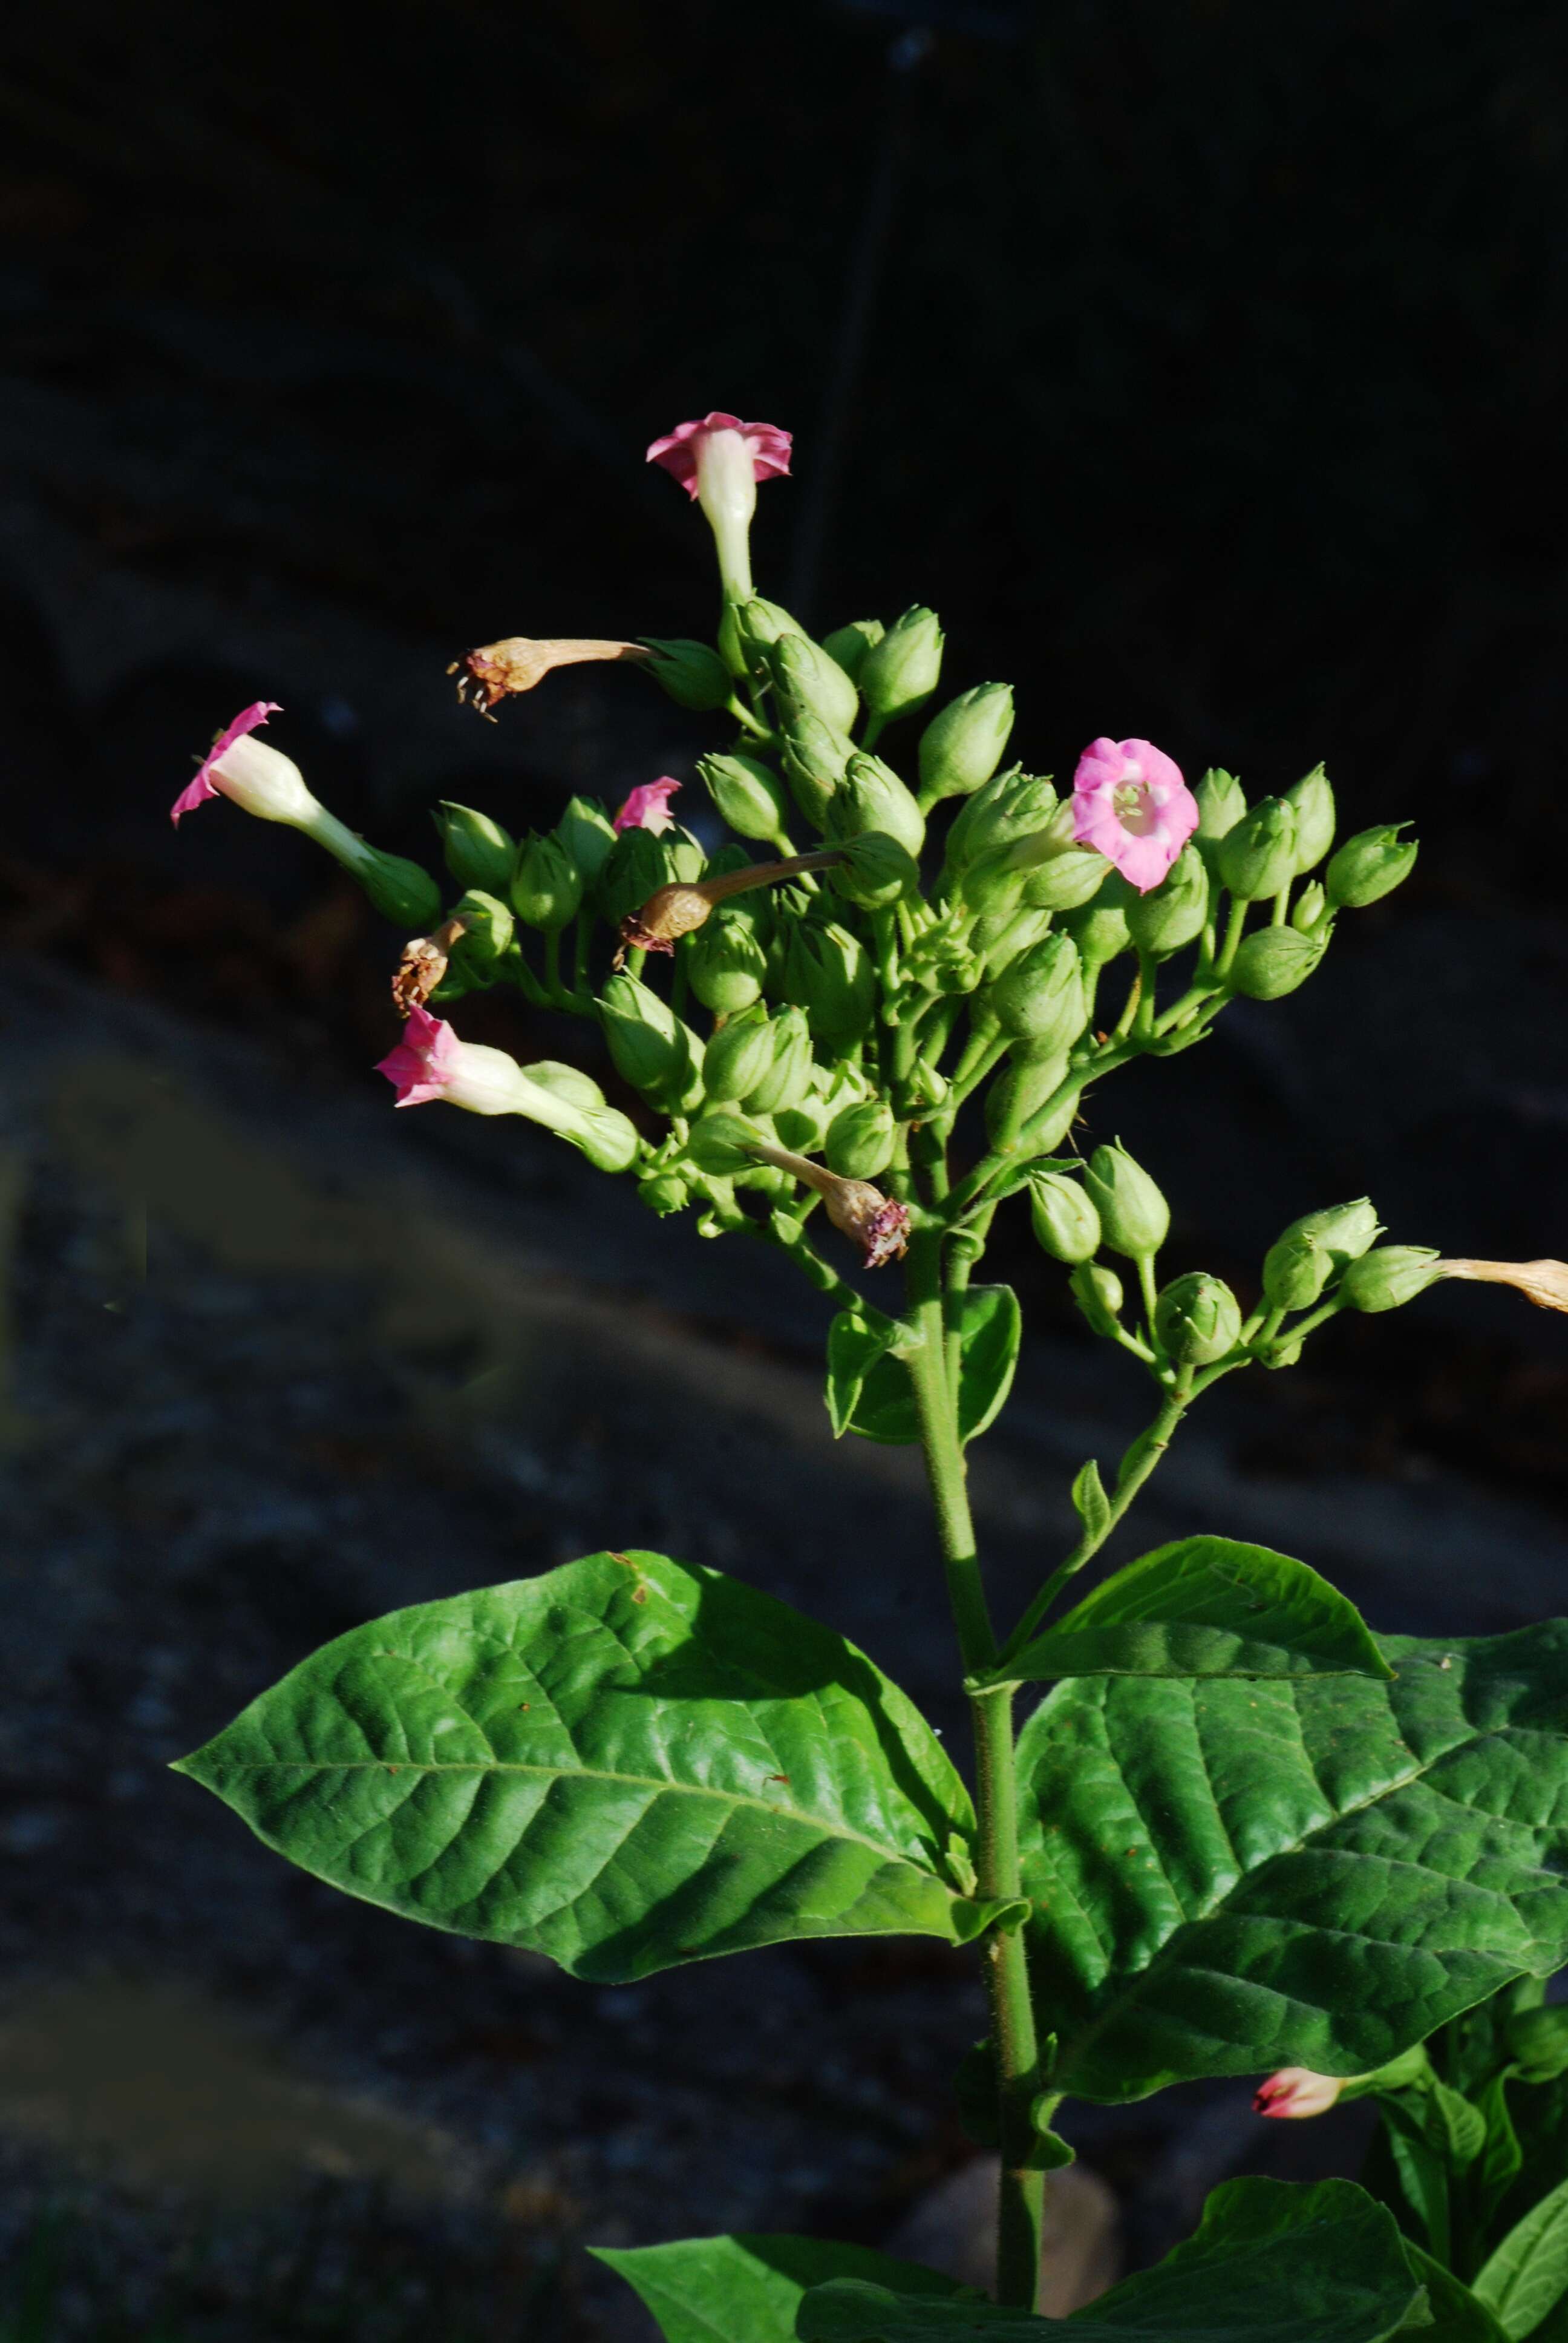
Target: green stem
553,985
784,1232
1233,927
582,942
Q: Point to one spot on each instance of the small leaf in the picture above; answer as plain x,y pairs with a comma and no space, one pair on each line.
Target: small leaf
1501,2157
1090,1501
718,2289
1528,2274
883,1404
1422,2174
855,1343
1455,2128
1207,1606
624,1764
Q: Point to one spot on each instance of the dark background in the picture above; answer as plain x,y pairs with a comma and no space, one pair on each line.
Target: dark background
1204,365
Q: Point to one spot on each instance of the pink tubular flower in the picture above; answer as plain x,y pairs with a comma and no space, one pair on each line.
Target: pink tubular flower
683,451
648,808
431,1062
1129,800
1296,2091
204,785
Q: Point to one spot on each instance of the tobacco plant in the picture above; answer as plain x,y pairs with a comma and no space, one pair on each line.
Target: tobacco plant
1238,1832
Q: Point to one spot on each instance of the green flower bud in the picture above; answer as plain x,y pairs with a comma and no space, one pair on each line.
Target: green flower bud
664,1192
900,672
1099,929
872,797
640,862
1066,880
693,674
962,748
1313,801
1307,909
580,1114
1258,856
1388,1276
721,1143
477,851
739,1055
487,932
928,1089
1040,999
1221,802
754,907
814,757
1303,1257
650,1047
1066,1224
1029,1079
726,966
746,632
1274,962
861,1141
1371,865
809,683
999,938
787,1080
1171,915
399,889
848,645
1045,1126
1198,1320
876,871
1013,806
829,975
1098,1293
1133,1215
746,795
547,887
587,832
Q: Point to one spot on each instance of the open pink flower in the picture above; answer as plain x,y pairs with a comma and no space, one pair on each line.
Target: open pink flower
648,808
1129,800
682,451
1296,2091
425,1060
203,785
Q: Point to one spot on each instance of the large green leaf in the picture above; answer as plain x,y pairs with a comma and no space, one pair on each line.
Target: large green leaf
1456,2316
869,1387
1207,1606
1271,2262
1527,2276
1233,1876
724,2289
624,1764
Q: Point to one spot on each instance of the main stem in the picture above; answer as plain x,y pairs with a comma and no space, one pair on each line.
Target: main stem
1023,2197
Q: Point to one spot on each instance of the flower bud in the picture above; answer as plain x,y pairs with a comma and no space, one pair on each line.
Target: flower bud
1072,876
1098,1293
641,862
547,887
1066,1224
399,889
1011,806
1171,915
477,851
1099,929
1303,1257
726,966
1368,866
1307,911
664,1192
587,832
1388,1276
861,1139
1257,857
569,1103
809,683
848,645
739,1055
788,1080
1029,1079
487,932
1040,999
814,757
755,624
1295,2092
1002,935
876,870
962,748
829,975
1313,799
745,795
723,1144
1274,962
871,797
1134,1217
693,674
1221,802
1198,1320
650,1047
900,672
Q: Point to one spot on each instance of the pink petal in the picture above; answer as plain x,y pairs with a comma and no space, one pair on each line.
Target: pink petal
203,786
647,806
677,451
1142,847
421,1065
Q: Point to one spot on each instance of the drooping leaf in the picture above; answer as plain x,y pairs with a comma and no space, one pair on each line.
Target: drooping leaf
883,1408
1231,1876
1527,2275
624,1764
1089,1501
721,2289
1207,1606
1270,2262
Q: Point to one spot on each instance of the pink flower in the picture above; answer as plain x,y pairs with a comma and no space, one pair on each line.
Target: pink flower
431,1062
203,785
1296,2091
682,451
424,1061
648,808
1129,800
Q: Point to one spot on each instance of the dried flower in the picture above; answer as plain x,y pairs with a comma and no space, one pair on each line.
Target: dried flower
647,806
878,1225
1544,1283
1131,801
1296,2091
518,662
675,910
422,967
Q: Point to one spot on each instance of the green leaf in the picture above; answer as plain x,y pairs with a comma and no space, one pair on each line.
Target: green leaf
1234,1875
1456,2129
718,2289
855,1343
882,1405
1270,2262
624,1764
1422,2174
1528,2274
1501,2157
1089,1501
1456,2316
1207,1606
